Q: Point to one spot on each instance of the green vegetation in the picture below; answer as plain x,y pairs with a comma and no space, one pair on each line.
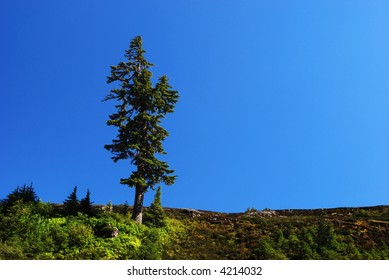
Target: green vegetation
32,229
294,234
26,194
38,230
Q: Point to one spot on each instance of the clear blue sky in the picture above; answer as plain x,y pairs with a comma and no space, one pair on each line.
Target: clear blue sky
284,104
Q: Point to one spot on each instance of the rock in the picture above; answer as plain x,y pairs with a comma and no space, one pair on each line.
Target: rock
194,213
264,213
115,232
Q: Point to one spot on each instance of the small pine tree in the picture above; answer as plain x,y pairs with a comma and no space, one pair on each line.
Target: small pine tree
155,215
326,240
125,208
109,206
86,204
72,204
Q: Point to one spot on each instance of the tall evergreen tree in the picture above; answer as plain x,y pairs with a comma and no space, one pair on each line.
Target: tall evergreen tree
26,194
140,109
86,204
72,204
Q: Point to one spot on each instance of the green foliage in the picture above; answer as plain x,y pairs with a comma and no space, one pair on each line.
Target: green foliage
174,239
251,210
326,237
124,208
44,209
105,228
155,215
11,251
27,235
26,194
79,234
266,250
32,231
140,110
361,213
152,247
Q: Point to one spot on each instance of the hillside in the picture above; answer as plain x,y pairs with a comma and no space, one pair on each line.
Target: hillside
43,231
77,229
340,233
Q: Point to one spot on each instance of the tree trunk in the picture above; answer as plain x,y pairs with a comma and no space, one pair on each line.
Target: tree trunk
138,204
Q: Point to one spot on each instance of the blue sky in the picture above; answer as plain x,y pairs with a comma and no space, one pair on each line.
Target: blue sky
284,104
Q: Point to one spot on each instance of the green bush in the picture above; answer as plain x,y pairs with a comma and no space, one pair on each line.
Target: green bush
266,250
11,251
326,238
104,229
151,247
362,213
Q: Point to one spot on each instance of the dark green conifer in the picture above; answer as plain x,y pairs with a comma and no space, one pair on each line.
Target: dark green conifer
72,204
26,194
86,204
140,109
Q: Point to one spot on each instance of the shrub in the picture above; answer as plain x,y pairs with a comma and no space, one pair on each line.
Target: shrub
80,234
105,230
43,209
250,210
326,237
266,251
361,213
105,226
151,248
11,251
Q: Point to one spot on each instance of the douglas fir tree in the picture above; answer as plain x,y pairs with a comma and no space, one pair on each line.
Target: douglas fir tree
140,107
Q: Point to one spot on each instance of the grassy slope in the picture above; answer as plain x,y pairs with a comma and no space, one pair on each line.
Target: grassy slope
342,233
42,231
